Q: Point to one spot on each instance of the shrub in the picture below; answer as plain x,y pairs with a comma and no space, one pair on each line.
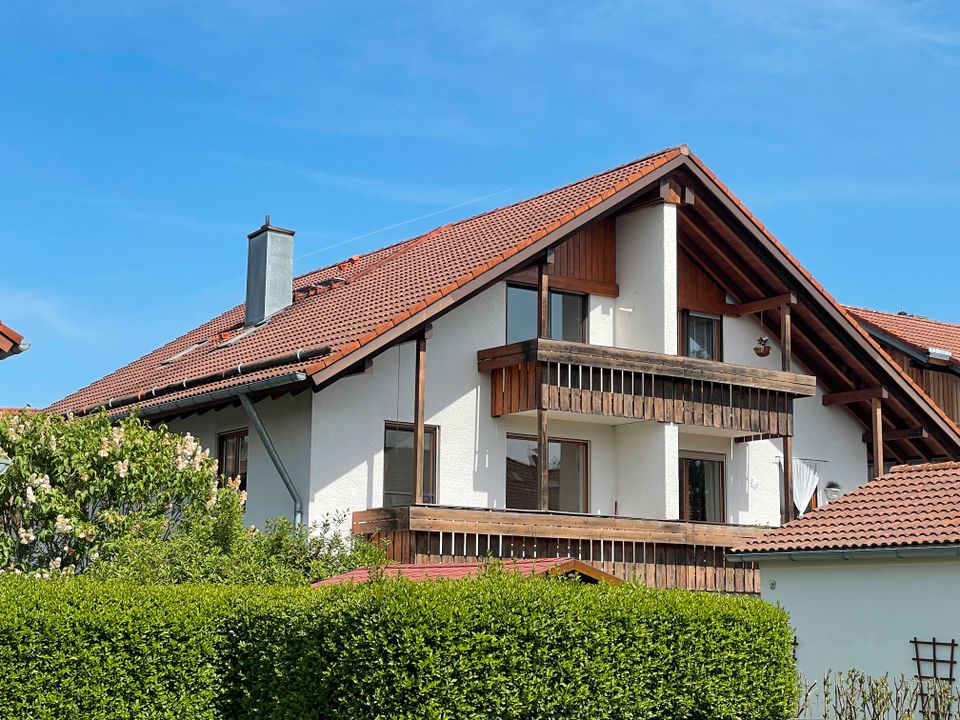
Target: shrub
499,646
75,485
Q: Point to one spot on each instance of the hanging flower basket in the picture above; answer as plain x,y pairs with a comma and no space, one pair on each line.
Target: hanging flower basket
762,348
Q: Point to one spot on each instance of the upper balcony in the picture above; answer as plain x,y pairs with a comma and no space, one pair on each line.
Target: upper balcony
587,379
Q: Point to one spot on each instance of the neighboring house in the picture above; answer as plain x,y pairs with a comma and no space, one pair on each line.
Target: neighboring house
11,342
928,350
608,327
869,574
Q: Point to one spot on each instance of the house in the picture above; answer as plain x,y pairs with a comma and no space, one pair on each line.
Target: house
562,567
629,370
871,580
927,350
11,342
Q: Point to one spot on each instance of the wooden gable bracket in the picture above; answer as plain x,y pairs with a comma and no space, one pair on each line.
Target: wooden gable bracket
674,193
770,303
852,396
914,433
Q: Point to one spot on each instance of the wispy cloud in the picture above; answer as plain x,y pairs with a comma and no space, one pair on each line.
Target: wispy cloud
38,310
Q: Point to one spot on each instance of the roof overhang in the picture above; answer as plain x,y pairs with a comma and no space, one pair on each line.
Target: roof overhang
901,553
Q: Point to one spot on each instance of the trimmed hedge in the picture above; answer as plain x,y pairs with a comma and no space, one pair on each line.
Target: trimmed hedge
496,647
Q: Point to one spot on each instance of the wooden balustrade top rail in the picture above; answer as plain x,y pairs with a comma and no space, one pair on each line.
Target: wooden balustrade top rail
536,524
677,366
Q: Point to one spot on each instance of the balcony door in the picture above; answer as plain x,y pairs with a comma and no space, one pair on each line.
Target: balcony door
567,475
702,488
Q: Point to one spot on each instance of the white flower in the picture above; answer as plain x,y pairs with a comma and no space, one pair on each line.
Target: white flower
55,563
31,496
121,467
26,536
63,525
234,483
243,497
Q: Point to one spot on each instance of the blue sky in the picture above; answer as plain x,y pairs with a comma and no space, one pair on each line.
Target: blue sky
140,142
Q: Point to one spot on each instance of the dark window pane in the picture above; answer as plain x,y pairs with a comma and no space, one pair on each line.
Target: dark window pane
521,314
398,466
566,317
702,336
566,475
232,456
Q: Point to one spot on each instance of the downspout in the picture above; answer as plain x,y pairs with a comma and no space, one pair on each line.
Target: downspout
274,456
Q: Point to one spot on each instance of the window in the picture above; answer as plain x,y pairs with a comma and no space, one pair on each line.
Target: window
398,464
701,488
700,335
232,455
568,312
567,475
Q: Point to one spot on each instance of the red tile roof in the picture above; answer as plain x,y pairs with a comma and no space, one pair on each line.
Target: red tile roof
917,332
912,505
458,571
383,288
390,285
11,342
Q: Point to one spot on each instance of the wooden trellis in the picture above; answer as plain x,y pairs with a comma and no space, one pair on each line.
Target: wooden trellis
936,663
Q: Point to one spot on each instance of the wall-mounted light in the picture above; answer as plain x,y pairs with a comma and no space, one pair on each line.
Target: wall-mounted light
832,491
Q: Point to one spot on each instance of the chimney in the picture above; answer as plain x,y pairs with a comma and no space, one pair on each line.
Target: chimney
269,272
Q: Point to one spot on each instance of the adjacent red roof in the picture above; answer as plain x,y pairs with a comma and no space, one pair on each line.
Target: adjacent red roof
458,571
917,332
912,505
383,288
11,342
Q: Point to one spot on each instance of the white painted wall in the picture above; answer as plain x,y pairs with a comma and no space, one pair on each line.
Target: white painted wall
600,320
648,481
645,317
288,422
863,613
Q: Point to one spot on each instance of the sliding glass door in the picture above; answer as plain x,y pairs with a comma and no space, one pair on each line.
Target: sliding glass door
567,472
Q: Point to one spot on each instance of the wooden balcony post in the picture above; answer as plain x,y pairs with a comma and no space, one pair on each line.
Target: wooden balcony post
543,438
788,510
876,413
785,349
420,392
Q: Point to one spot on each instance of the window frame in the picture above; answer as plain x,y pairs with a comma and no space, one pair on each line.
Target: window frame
684,325
586,468
433,466
231,435
685,483
584,311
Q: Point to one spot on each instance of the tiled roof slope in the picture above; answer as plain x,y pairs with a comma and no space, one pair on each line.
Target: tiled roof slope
919,333
912,505
11,342
383,288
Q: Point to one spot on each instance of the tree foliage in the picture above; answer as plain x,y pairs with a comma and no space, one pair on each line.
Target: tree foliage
76,485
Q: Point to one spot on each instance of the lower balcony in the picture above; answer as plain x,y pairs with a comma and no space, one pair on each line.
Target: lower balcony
658,553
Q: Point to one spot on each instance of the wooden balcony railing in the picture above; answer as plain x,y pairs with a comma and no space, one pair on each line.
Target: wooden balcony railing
659,553
596,380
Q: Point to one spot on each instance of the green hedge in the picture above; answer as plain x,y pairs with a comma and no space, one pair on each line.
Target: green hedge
496,647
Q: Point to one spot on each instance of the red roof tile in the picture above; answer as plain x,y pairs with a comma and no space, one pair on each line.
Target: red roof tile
11,342
458,571
917,332
381,288
911,505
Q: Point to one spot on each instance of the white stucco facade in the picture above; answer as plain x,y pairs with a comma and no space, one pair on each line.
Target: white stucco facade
332,441
862,613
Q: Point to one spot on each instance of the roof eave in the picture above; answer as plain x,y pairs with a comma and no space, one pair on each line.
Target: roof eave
902,553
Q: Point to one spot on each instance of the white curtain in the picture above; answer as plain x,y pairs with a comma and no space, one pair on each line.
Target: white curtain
806,480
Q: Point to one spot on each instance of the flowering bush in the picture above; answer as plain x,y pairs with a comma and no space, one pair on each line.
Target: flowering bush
75,486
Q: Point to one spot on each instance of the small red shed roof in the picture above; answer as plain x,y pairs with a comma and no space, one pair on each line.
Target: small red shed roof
912,505
457,571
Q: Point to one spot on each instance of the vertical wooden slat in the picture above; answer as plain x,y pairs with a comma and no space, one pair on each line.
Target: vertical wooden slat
876,414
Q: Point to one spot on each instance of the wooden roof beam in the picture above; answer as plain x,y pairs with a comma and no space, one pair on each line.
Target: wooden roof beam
901,434
852,396
770,303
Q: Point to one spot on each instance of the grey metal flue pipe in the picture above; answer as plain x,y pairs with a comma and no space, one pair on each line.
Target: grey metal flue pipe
274,456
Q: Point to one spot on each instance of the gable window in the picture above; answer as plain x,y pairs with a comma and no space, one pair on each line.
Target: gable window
568,313
700,335
232,455
567,475
701,488
399,467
